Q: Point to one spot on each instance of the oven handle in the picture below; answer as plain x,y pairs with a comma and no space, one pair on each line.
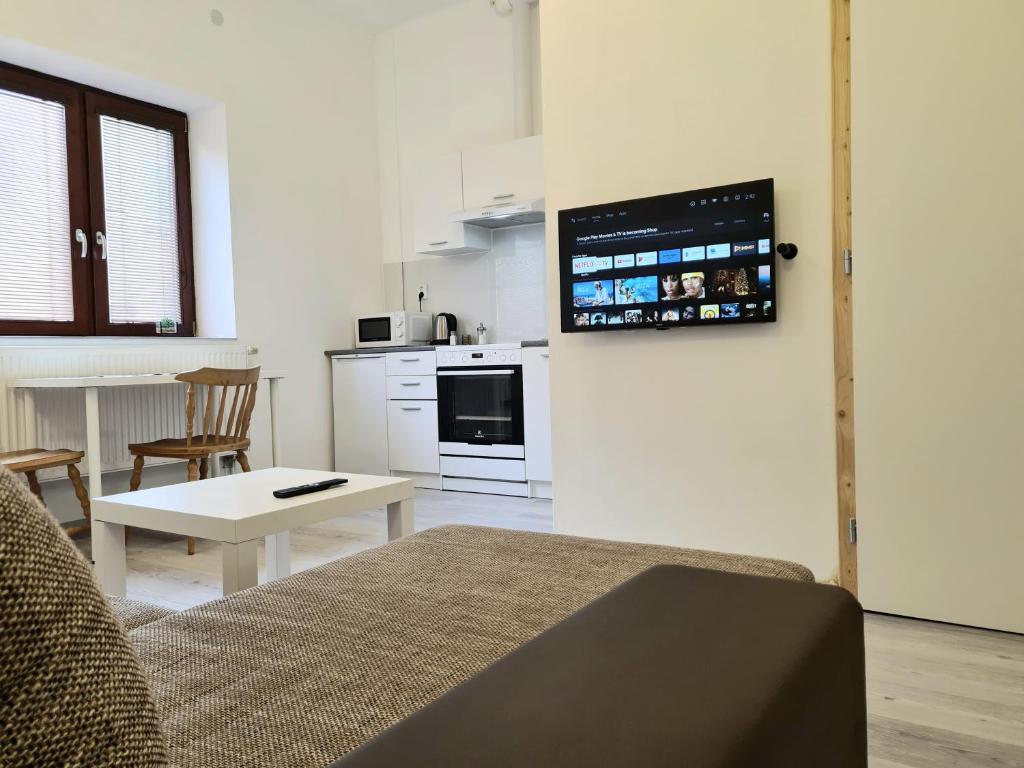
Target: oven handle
490,372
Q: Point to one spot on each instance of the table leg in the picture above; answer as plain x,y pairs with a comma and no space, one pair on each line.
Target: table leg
93,459
28,401
109,554
275,437
279,561
400,519
239,564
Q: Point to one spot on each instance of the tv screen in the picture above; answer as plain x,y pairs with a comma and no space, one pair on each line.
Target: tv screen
705,257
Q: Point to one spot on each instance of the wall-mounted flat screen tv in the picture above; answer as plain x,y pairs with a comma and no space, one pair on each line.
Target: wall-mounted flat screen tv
705,257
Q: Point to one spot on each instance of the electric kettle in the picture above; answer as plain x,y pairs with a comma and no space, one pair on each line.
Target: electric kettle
444,326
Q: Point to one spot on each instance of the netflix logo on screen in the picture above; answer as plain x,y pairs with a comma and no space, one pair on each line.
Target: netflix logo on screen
584,265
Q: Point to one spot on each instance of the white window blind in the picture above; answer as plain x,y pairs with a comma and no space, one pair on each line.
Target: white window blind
35,221
142,222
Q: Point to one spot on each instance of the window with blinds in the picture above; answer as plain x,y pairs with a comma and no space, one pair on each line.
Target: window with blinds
35,271
142,222
95,215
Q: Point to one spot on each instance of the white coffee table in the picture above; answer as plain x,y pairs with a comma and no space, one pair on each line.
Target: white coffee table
239,510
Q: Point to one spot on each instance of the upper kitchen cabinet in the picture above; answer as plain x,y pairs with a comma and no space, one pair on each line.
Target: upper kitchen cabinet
501,174
438,196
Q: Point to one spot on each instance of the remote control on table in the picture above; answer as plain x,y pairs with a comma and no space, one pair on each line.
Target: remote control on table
299,490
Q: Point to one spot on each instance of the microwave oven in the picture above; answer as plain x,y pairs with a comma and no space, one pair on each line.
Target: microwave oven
393,329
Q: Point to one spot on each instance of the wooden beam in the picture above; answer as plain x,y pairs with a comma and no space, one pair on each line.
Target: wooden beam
842,291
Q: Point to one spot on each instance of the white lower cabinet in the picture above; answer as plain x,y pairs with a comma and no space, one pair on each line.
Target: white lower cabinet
537,418
412,436
385,422
360,414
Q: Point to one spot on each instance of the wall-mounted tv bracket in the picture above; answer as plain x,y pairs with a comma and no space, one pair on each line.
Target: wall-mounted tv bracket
787,251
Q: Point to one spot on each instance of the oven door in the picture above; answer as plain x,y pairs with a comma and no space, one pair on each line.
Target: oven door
481,406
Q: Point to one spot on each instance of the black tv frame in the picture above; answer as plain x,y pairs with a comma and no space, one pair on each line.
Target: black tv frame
743,213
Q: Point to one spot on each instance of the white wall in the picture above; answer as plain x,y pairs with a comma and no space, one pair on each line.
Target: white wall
719,438
296,82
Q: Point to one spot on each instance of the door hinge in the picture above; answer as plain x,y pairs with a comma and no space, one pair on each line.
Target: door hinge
193,328
853,530
848,261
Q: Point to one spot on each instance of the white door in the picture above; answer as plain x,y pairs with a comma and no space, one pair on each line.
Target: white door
360,415
938,190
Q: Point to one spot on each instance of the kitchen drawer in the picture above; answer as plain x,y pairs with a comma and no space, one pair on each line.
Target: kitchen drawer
491,469
412,387
422,363
412,436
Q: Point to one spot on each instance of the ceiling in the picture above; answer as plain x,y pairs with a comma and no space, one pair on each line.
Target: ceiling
381,14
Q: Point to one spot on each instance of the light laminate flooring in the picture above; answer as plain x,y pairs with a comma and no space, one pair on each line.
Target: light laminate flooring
939,696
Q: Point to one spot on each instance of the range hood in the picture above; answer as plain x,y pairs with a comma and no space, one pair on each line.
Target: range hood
502,215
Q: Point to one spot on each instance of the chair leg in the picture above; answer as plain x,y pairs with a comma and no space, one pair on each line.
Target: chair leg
33,483
136,480
204,467
193,474
83,498
134,483
243,460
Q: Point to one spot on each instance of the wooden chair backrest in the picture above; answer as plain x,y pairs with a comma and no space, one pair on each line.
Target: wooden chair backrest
242,381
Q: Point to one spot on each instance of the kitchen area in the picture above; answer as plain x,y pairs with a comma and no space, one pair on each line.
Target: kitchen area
459,400
448,384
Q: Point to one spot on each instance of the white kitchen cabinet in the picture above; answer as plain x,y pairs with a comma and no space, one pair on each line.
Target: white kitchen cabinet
412,436
511,172
537,419
412,387
421,363
360,414
438,195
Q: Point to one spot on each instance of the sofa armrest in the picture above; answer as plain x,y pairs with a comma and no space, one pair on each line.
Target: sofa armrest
678,666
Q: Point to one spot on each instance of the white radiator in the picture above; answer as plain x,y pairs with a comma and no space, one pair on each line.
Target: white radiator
127,414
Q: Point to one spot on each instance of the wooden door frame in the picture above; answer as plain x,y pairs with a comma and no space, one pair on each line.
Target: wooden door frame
842,293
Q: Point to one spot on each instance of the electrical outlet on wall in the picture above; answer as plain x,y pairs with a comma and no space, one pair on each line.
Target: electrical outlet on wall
421,291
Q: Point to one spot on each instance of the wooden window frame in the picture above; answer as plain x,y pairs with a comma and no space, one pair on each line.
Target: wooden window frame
51,89
83,106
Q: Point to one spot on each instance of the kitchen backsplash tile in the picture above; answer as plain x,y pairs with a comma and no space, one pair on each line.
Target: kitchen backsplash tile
504,288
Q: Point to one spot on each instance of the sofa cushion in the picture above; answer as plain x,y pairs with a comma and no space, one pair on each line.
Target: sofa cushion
678,666
134,613
300,671
71,689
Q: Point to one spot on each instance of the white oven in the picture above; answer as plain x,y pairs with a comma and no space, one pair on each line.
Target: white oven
393,329
480,419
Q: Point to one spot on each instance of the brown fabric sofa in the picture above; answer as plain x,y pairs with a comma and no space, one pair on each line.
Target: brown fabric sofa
301,671
71,689
679,666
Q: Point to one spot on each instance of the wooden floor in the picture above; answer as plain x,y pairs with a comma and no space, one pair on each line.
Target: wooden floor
938,696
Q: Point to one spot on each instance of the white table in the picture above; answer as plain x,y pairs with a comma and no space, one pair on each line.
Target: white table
238,510
92,384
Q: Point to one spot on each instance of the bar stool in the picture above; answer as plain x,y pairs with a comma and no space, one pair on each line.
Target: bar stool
29,461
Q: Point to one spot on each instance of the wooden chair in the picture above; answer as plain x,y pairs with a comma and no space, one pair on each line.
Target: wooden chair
31,460
197,448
